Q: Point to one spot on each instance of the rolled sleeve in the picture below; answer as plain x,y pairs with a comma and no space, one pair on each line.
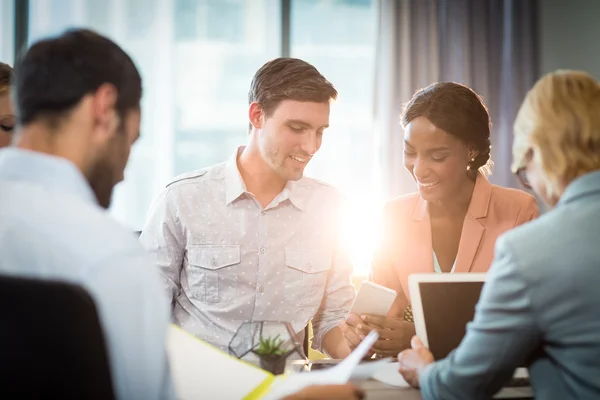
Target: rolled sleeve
337,300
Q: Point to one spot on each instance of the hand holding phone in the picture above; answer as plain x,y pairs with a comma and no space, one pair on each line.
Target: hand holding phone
373,299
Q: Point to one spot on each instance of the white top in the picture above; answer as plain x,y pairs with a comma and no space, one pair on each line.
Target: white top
436,265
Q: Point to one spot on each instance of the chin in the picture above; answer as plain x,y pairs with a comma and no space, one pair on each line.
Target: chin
294,177
429,197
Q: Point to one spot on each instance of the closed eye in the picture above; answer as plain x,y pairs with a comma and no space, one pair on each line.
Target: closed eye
6,128
296,129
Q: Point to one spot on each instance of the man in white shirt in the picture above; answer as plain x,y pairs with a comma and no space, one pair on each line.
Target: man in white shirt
253,239
78,113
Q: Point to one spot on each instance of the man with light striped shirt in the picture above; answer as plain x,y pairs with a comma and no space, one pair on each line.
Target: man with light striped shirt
252,238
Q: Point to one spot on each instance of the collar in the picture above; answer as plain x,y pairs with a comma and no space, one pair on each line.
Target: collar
294,191
585,185
478,206
51,172
234,185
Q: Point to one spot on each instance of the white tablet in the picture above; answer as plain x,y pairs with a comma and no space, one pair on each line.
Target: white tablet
442,306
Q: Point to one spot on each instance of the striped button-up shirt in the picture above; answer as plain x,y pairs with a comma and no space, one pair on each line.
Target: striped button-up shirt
226,260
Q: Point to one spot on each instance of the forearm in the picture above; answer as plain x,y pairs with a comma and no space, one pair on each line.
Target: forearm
334,344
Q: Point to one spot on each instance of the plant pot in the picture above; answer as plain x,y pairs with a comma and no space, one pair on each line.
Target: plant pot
273,364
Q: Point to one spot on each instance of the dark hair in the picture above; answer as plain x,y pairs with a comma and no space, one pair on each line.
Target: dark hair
287,78
56,73
457,110
6,73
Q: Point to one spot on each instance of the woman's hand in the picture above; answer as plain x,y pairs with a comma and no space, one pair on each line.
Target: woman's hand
413,361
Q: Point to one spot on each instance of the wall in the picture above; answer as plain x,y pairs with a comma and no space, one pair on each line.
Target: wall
569,35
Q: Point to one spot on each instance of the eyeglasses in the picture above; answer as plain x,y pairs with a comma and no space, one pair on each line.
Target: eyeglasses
522,177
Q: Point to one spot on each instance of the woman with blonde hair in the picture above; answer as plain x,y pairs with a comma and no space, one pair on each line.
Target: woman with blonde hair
7,119
540,306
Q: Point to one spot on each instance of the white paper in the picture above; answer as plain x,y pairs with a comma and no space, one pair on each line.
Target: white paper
340,374
366,370
389,375
201,371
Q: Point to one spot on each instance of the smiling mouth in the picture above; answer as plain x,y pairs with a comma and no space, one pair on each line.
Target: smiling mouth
300,160
428,185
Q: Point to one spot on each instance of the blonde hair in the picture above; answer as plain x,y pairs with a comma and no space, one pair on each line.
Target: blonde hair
560,122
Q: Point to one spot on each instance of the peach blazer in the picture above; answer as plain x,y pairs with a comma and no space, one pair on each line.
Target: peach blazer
406,241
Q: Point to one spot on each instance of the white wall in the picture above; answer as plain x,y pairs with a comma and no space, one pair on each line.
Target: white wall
570,35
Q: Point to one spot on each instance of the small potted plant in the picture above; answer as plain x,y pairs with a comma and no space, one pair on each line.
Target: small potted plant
270,342
272,356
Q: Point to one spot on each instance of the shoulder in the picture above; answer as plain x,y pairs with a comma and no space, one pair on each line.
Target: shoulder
197,176
512,202
402,205
76,233
536,243
516,196
321,188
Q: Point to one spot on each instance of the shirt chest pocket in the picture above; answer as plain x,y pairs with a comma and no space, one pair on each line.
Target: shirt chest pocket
212,273
306,276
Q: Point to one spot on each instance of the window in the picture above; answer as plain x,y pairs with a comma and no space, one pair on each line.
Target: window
338,37
197,58
7,32
196,76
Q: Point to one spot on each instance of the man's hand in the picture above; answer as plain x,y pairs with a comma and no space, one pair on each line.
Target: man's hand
351,332
394,334
329,392
413,361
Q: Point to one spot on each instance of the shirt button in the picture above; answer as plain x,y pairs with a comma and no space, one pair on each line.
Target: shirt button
309,267
261,289
213,262
263,213
263,250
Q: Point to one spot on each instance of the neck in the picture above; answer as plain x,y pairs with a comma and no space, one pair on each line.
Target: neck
258,176
37,137
455,207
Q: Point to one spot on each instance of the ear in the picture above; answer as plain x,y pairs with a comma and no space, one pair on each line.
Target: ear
255,115
473,153
105,118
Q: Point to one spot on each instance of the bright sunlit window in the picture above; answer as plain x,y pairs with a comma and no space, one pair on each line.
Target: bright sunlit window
339,37
197,58
7,29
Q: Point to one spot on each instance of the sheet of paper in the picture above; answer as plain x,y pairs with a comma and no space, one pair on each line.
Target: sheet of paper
389,375
366,370
340,374
201,371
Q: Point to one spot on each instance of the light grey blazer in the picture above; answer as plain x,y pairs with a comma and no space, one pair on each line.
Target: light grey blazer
539,307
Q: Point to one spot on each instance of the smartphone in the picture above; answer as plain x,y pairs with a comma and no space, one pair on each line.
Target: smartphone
373,299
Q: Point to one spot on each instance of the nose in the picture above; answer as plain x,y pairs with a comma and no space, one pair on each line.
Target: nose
420,168
310,143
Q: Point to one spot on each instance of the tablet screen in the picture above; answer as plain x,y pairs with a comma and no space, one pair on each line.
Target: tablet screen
447,308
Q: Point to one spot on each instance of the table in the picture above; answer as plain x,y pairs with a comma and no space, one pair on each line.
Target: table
376,390
380,391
